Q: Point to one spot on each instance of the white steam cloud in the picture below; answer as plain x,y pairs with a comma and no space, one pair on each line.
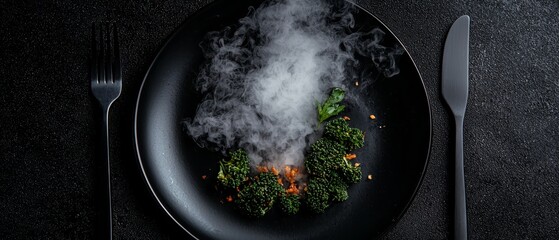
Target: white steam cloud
263,77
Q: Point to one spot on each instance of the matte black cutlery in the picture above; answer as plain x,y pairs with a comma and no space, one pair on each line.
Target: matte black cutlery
455,92
106,85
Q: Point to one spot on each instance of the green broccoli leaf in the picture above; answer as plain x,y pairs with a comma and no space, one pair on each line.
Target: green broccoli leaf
331,107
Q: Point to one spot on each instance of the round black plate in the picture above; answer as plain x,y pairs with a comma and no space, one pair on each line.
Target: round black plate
396,151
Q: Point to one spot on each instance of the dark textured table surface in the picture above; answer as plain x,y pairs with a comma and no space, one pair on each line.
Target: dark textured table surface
49,120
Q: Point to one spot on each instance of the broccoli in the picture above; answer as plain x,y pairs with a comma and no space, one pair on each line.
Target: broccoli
322,191
290,203
317,195
340,131
330,175
234,171
351,174
329,171
325,155
338,188
257,197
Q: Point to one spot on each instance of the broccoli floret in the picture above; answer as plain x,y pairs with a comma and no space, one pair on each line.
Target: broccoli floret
234,171
322,191
325,155
340,131
290,204
338,188
329,171
317,195
257,197
350,174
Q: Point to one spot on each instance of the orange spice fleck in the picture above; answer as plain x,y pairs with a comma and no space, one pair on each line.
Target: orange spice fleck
291,173
287,169
204,177
350,156
274,171
347,118
229,198
370,177
372,116
292,189
262,169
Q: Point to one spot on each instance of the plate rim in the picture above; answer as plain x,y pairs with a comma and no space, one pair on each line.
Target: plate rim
208,6
430,144
136,148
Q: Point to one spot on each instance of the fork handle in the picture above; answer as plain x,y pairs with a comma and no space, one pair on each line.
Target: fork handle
460,226
106,198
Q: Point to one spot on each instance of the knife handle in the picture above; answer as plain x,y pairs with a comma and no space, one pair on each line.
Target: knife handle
460,226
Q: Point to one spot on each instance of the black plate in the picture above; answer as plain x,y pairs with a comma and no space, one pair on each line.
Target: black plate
396,152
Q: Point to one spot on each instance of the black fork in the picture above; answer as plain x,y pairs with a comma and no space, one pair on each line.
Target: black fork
106,85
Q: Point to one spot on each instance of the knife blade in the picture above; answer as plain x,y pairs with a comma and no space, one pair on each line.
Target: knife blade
455,92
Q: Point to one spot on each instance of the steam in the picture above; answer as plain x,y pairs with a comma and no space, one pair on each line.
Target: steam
263,77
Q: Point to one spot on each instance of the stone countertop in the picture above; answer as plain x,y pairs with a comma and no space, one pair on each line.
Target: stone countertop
47,174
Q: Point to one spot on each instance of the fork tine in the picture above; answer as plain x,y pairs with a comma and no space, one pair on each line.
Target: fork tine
109,54
116,63
101,54
94,71
105,61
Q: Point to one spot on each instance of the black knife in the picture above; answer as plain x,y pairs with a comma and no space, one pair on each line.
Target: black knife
455,93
